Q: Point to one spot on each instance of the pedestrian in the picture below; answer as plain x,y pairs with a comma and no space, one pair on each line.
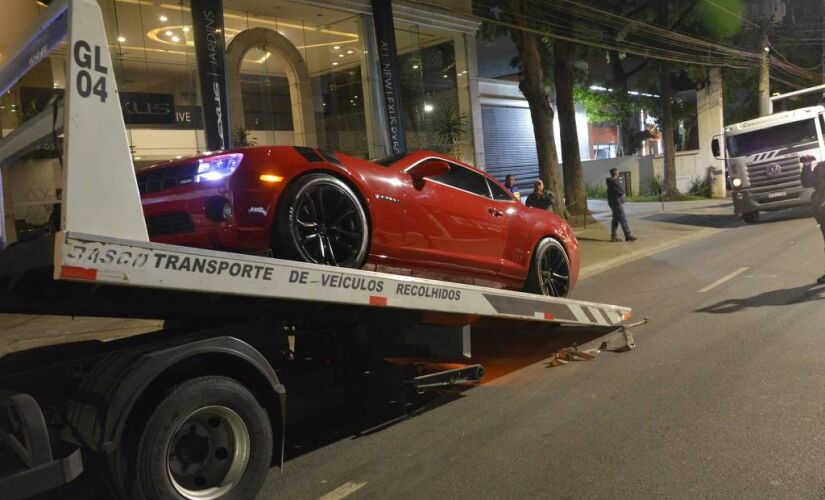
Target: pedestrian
814,177
510,184
615,199
540,197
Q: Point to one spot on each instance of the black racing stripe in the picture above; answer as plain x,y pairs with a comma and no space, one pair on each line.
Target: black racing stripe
526,307
309,154
332,158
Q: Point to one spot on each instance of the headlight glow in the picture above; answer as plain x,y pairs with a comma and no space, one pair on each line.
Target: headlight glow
217,167
736,182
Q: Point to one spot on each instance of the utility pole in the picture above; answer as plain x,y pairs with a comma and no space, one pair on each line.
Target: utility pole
765,74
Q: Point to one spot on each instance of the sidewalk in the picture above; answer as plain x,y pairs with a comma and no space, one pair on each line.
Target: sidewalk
658,229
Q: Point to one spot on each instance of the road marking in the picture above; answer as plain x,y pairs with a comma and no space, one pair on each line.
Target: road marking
343,491
722,280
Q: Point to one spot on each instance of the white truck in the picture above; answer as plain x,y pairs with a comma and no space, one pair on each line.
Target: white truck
197,409
763,157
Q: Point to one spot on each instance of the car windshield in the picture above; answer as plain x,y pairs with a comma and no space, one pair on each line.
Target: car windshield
781,136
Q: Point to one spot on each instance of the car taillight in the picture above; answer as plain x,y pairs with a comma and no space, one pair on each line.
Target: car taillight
217,167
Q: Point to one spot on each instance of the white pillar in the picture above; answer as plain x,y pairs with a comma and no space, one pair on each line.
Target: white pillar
709,103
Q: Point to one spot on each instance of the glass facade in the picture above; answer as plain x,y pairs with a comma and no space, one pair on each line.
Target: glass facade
297,74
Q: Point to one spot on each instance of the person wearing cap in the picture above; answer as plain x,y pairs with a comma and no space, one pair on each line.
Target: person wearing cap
615,200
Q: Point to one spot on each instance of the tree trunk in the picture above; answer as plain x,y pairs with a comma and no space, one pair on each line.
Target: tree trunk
532,86
665,92
624,144
564,54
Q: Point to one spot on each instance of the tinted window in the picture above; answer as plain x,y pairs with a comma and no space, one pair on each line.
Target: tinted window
466,179
499,193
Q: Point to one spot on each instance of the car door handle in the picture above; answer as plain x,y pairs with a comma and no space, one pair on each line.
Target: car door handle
495,212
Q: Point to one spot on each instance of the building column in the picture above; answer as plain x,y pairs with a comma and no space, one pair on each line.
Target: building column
709,104
375,113
473,152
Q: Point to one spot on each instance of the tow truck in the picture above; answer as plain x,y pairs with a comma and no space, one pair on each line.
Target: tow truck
196,409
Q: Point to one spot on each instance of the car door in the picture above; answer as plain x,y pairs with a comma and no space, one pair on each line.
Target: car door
453,224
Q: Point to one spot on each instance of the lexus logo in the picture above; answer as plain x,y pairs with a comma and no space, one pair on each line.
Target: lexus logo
773,170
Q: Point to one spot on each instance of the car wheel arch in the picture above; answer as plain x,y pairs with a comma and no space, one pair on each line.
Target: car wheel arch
342,175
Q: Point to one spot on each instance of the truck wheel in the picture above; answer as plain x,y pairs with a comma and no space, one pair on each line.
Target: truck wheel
324,222
751,217
208,438
549,270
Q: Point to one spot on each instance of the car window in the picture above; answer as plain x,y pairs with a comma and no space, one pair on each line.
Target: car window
499,193
464,178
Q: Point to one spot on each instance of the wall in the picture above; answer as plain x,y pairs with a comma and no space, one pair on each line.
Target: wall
643,169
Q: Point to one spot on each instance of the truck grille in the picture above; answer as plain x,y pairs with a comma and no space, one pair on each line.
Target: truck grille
165,178
787,175
160,225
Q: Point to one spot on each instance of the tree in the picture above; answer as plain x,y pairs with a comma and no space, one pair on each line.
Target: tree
564,55
666,96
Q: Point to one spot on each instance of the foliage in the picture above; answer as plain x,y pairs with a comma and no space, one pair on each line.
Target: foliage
243,138
655,187
597,192
700,186
450,126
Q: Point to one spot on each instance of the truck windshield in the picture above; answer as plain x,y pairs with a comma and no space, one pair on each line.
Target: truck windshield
780,136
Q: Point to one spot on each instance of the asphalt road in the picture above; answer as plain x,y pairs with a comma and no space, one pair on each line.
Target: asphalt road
722,398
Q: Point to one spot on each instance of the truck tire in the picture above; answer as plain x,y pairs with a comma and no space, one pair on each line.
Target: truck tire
751,217
208,438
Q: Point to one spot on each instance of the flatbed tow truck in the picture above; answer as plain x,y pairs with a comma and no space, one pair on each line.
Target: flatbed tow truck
197,409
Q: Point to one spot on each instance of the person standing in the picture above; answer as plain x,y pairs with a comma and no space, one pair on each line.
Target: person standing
813,176
540,197
615,199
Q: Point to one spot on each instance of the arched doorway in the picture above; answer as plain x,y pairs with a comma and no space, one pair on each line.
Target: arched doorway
300,88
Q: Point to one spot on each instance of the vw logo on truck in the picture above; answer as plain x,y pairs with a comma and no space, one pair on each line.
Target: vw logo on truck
773,170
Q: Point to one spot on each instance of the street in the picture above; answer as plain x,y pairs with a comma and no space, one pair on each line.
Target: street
721,399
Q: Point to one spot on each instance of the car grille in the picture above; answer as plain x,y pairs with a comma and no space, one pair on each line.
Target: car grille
165,178
169,224
787,177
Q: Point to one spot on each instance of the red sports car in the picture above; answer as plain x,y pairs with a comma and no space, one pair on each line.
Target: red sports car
420,214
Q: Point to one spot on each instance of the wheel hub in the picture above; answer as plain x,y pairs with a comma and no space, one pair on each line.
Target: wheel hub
208,453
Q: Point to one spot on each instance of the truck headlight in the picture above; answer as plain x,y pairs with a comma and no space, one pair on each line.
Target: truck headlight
736,182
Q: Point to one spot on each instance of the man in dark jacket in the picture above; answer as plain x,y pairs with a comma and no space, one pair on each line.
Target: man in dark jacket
814,177
615,198
540,197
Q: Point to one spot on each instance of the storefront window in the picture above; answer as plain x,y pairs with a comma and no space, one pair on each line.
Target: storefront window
301,77
434,91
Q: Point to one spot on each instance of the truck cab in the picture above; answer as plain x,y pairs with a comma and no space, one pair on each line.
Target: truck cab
763,159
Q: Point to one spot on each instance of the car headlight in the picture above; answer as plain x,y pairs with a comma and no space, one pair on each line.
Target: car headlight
217,167
736,182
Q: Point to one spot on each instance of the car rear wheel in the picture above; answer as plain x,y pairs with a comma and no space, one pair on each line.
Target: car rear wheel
549,270
324,222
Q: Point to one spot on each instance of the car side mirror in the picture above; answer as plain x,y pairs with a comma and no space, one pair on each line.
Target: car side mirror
714,147
430,168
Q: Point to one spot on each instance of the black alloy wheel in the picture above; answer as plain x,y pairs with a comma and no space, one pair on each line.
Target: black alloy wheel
325,223
550,270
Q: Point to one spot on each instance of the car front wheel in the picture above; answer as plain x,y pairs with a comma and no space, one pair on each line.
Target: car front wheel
324,222
550,270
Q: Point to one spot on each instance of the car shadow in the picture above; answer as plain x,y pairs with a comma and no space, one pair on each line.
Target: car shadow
773,298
